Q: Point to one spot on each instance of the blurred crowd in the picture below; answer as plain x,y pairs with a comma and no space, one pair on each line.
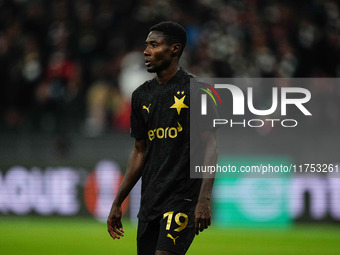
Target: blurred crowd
70,66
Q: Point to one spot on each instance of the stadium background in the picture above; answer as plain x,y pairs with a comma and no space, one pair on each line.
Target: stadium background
67,69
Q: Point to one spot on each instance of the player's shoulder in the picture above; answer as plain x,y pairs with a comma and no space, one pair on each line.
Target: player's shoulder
184,78
144,88
186,75
191,79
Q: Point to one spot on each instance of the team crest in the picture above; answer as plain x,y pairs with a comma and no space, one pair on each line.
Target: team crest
179,102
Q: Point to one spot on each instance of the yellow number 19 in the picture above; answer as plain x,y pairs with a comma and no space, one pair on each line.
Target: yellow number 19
181,225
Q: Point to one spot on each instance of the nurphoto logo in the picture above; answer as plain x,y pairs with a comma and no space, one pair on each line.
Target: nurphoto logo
281,97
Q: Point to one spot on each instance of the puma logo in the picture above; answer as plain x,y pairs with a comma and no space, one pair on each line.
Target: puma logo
146,108
171,237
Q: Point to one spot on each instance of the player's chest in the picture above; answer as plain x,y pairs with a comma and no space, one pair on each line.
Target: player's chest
164,104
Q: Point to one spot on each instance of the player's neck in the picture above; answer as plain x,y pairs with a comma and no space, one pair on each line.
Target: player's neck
165,75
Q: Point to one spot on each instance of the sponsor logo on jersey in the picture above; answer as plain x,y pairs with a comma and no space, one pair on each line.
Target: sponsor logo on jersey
164,133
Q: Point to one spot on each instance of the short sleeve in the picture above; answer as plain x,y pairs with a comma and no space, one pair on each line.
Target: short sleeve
137,124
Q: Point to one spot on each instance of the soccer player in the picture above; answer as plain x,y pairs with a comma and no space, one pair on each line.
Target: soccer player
173,206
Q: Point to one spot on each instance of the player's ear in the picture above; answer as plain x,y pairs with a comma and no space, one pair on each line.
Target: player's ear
176,48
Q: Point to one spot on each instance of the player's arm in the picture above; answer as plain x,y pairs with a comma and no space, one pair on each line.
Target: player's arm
133,173
203,210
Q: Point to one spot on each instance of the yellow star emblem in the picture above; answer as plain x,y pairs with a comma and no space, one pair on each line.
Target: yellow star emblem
179,104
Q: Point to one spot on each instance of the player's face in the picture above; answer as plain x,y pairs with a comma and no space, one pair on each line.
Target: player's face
158,54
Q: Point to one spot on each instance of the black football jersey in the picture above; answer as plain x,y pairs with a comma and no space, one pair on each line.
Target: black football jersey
160,115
